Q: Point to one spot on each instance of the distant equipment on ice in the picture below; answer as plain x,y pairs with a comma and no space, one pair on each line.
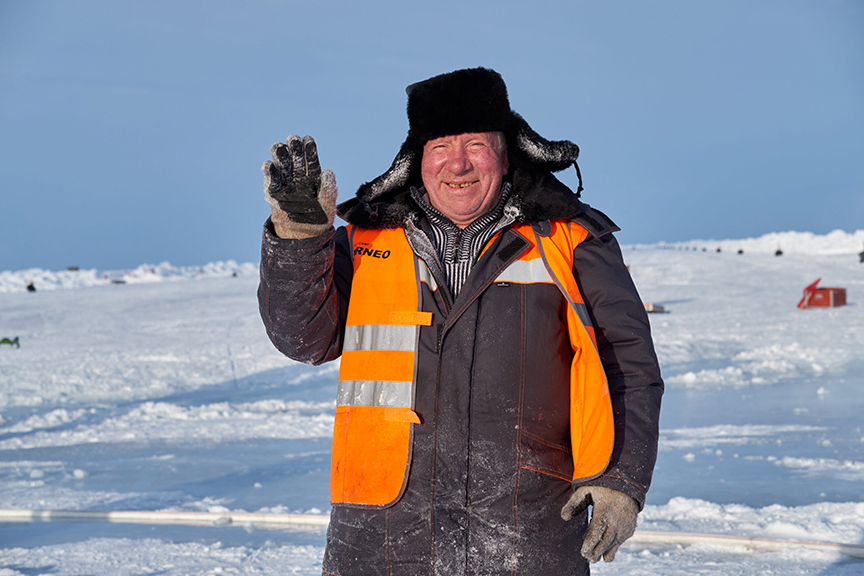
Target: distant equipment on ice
11,342
822,297
649,307
116,277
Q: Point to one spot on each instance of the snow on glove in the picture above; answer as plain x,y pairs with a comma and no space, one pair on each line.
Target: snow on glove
613,520
302,198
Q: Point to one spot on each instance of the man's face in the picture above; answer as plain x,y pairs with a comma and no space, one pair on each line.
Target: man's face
463,174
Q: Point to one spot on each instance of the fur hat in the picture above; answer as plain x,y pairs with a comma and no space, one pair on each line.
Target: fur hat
473,100
469,100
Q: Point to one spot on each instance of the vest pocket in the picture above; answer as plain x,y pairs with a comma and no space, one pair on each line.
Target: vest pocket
371,455
545,457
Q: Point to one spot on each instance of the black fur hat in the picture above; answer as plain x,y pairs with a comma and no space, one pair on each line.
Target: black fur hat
469,100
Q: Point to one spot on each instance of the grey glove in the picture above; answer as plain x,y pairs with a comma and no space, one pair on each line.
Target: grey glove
301,197
613,520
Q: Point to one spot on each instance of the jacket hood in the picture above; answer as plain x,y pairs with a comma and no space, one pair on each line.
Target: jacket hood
386,202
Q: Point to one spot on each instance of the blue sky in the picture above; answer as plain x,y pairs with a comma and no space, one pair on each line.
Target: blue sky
133,133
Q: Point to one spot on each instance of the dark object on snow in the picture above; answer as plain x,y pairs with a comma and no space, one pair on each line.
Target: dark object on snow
778,252
740,250
31,287
650,307
861,257
822,297
718,249
12,342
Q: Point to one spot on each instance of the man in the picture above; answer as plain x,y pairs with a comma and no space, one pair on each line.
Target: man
497,372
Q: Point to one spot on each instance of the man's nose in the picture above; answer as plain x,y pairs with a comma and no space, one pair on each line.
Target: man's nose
458,161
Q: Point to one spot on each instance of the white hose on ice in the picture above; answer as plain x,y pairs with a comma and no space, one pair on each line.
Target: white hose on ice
746,542
321,520
145,517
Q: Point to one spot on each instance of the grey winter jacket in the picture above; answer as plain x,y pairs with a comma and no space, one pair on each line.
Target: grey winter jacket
492,393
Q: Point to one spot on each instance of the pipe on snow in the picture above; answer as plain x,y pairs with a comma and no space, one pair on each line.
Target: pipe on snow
145,517
320,520
761,544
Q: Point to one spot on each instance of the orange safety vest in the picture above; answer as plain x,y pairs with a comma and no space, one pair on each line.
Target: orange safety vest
372,435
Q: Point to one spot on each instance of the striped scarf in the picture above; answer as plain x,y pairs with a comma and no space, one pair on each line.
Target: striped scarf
458,248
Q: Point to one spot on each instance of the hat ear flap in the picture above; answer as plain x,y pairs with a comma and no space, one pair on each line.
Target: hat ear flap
403,171
530,151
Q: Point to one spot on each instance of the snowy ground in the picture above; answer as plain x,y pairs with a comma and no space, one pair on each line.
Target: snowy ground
163,393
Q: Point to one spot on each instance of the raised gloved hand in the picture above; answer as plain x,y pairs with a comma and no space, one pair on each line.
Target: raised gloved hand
301,197
613,520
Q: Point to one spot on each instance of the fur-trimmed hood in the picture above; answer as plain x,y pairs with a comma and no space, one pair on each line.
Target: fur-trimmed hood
386,202
458,102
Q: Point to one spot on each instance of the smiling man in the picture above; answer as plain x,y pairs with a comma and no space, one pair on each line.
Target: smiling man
497,375
463,174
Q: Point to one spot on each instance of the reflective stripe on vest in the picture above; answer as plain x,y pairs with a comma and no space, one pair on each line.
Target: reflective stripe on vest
536,271
381,337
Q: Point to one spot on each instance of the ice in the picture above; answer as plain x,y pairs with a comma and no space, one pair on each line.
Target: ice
164,393
17,281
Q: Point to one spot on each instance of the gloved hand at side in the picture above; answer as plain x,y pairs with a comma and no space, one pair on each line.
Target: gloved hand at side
613,520
302,198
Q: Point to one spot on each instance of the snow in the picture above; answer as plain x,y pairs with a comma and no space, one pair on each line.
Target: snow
83,278
836,242
164,393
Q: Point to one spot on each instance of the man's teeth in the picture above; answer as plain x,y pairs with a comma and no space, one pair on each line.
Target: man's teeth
463,185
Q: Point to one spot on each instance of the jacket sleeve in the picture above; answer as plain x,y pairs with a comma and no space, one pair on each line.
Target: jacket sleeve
627,353
303,293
